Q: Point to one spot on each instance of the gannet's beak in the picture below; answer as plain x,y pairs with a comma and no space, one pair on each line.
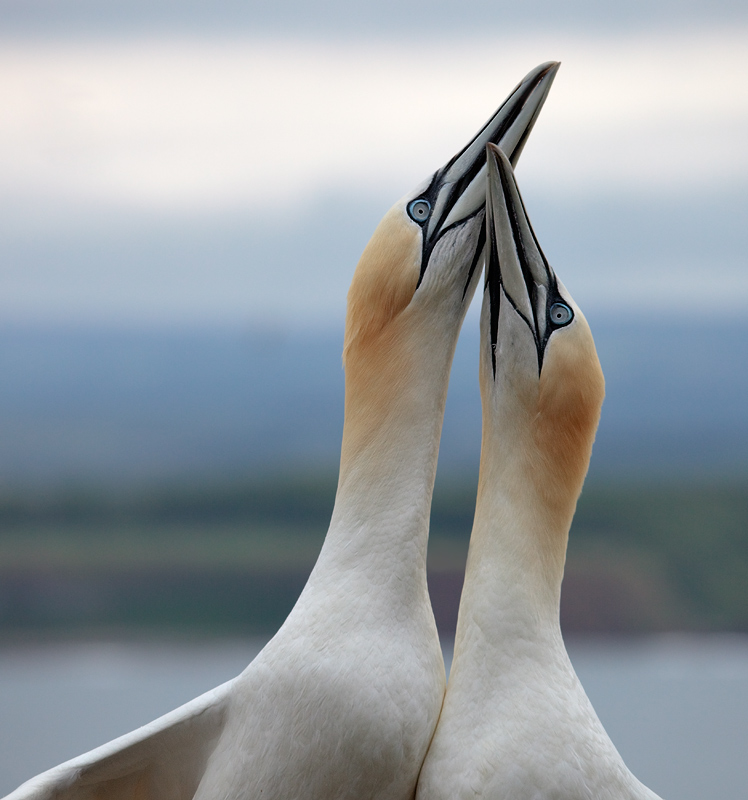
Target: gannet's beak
457,191
518,275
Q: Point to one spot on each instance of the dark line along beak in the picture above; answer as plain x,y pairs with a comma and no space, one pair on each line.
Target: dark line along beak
516,265
457,191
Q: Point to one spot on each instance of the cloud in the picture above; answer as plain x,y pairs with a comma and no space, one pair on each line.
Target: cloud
175,126
237,179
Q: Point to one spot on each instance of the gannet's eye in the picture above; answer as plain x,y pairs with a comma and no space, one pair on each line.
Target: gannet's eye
419,210
561,314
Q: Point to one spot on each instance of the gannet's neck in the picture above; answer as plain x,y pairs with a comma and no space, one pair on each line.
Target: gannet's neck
536,445
396,388
516,559
516,721
398,352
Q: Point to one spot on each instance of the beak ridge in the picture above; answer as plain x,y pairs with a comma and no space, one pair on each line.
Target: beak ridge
460,184
516,266
512,123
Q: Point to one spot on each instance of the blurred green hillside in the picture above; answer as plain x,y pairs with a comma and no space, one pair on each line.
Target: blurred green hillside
232,558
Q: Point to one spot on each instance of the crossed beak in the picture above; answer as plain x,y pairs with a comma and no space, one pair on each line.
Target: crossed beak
457,191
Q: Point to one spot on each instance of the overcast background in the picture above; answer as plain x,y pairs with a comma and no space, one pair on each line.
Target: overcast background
174,167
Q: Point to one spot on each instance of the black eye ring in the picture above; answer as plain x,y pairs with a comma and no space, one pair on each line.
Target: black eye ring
419,210
561,314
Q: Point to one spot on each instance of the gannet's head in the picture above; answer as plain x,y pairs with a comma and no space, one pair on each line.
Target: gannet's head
541,381
426,253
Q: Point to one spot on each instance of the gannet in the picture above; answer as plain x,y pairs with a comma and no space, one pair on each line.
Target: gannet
343,701
516,722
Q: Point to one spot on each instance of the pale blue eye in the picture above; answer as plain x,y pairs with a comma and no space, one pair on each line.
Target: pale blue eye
419,210
561,314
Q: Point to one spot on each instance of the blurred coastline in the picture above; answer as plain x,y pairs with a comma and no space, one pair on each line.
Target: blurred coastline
642,559
182,481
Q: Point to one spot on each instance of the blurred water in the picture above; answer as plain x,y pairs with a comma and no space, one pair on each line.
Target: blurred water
676,707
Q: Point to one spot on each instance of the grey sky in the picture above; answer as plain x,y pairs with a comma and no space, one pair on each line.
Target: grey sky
235,177
409,18
617,254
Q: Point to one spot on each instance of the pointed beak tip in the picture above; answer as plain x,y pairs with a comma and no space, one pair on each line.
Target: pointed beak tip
545,74
497,159
550,68
492,158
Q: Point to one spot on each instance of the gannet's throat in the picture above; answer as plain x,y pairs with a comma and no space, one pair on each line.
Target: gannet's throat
398,350
383,350
538,433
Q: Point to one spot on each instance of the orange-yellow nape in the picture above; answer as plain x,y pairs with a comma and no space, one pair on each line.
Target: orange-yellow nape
571,392
385,279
